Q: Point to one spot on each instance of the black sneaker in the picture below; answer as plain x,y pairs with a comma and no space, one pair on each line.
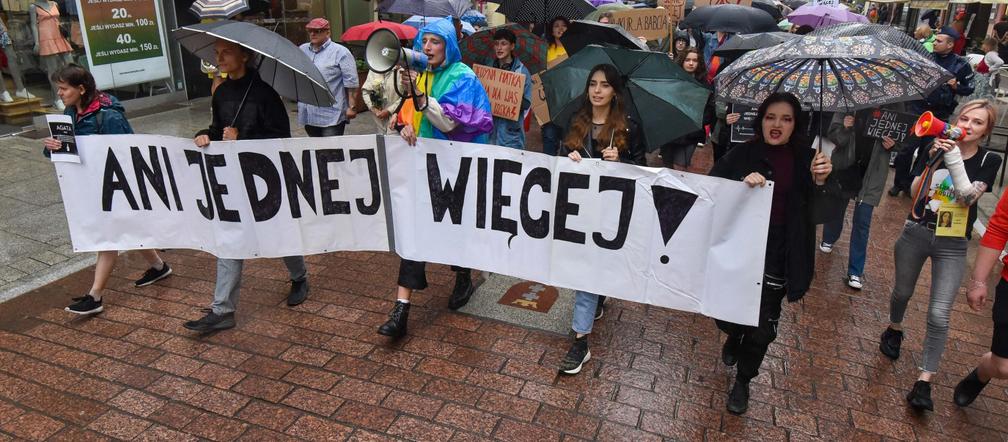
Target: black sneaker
894,191
298,292
600,308
85,305
920,396
738,398
890,343
462,292
968,389
576,356
211,322
153,275
729,350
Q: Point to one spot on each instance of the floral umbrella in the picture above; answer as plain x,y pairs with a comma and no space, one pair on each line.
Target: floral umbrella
529,48
832,73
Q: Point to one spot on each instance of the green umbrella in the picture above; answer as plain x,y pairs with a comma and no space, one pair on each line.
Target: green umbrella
608,7
665,100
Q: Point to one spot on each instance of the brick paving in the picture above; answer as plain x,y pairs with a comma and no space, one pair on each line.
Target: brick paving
320,372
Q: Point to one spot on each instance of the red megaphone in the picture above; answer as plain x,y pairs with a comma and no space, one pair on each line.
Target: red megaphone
929,126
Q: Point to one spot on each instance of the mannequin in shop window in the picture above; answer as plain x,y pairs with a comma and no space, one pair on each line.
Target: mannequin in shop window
52,48
7,47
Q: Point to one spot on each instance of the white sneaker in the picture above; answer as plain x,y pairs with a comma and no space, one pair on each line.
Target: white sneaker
5,97
23,93
854,282
58,104
825,247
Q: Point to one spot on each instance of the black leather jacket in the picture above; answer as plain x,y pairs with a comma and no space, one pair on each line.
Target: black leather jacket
262,116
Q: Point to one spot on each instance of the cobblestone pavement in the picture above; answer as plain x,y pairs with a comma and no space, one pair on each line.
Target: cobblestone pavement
320,372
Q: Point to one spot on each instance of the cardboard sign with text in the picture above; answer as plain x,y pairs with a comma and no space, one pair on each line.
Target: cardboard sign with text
649,23
505,89
675,9
892,124
699,3
539,106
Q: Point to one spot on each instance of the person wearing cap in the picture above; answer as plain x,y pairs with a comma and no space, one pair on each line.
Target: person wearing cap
942,102
507,132
339,69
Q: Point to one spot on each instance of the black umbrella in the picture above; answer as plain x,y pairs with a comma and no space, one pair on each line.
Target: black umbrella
795,4
426,8
281,64
769,7
886,33
582,33
739,44
538,11
729,18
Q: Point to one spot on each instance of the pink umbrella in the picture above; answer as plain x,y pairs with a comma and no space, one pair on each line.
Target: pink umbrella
822,15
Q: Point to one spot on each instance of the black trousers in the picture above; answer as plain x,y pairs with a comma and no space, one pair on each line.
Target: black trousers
413,274
754,341
905,164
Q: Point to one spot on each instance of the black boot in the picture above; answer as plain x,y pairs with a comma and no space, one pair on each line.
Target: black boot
968,389
298,292
891,342
738,398
462,292
396,325
920,396
729,350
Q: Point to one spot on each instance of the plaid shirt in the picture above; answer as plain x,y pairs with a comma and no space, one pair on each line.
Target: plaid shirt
339,69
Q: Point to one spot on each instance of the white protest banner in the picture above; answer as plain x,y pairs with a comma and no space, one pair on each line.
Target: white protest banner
649,23
244,199
656,236
699,3
505,89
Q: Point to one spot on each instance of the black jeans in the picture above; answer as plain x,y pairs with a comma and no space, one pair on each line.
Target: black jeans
328,131
754,341
413,274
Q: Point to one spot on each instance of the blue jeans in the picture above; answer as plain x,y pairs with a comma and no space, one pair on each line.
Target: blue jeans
584,311
858,237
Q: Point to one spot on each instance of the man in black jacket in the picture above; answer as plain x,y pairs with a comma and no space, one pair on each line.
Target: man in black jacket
244,108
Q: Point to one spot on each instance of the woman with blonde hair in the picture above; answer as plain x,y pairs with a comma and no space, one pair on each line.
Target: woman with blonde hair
958,173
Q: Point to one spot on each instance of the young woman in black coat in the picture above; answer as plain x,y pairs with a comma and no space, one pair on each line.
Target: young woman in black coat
776,153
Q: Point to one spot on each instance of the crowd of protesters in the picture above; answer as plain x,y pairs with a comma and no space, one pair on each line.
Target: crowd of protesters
449,103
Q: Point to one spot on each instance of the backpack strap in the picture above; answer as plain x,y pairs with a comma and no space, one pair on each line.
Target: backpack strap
99,121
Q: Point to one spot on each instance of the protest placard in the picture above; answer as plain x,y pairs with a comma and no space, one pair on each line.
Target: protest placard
648,23
742,130
539,107
505,89
886,123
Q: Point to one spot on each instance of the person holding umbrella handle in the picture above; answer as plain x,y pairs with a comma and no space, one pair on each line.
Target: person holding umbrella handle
602,129
777,152
244,108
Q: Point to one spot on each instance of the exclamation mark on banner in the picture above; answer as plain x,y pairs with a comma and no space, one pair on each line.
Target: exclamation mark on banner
672,206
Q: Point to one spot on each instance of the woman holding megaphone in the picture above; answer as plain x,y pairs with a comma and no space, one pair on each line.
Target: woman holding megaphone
448,103
958,174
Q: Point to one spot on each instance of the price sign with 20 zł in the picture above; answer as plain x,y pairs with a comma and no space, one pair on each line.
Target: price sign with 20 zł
124,40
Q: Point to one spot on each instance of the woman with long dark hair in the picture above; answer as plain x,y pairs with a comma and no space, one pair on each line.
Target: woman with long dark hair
777,152
97,113
600,129
678,153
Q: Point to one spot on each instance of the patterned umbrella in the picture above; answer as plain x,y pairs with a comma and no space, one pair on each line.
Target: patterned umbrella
538,11
218,8
832,73
887,33
821,15
529,48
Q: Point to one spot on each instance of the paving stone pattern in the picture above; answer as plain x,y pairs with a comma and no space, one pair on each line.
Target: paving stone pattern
320,372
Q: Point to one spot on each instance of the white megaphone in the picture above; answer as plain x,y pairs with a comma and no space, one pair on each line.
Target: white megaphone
383,52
